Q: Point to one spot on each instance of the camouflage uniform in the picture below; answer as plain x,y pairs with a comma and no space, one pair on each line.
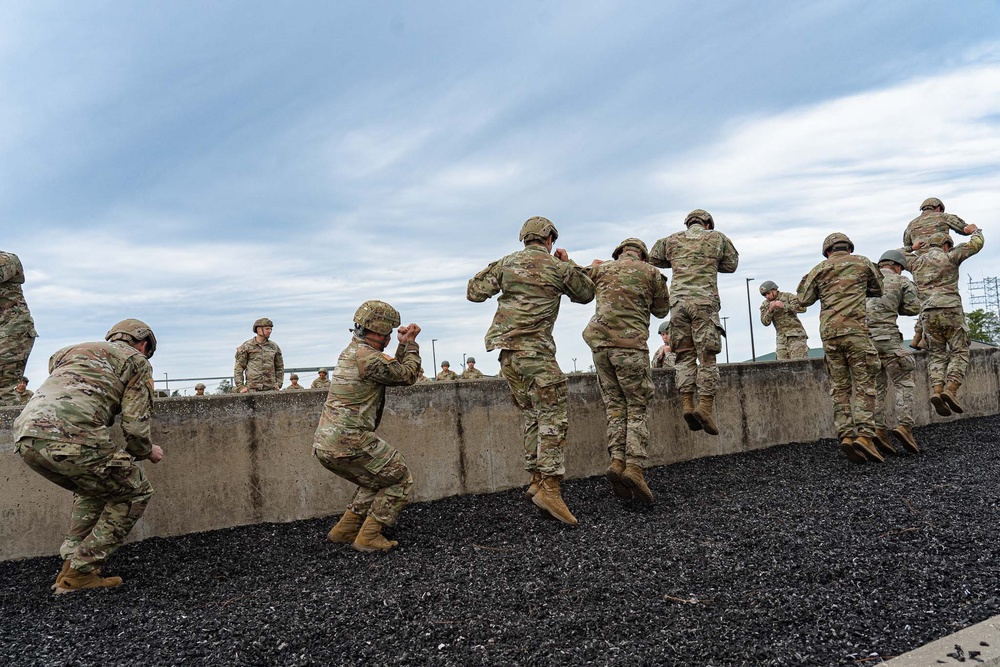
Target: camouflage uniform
294,387
63,434
841,283
321,383
17,329
628,289
345,441
695,256
25,396
664,359
446,376
942,316
472,374
531,283
259,366
792,340
929,223
899,297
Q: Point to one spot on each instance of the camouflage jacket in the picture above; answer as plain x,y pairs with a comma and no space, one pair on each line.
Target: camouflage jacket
532,283
936,272
445,376
472,374
928,223
15,318
664,359
841,284
320,384
628,289
899,297
294,387
695,257
353,408
88,385
261,363
25,396
786,321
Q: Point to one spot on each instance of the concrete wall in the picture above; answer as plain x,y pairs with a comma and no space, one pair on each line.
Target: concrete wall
233,460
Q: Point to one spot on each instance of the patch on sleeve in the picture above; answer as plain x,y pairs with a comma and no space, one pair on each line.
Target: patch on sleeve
387,357
152,389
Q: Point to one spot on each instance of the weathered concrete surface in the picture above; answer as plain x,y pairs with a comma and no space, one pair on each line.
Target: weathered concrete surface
234,460
978,644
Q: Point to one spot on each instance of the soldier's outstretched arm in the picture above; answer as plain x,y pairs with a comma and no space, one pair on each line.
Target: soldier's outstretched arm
10,268
403,369
137,406
660,306
808,291
658,255
577,286
485,284
730,259
964,251
957,224
874,287
909,302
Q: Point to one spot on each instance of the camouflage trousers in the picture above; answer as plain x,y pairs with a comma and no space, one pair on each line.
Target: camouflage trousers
947,337
695,338
538,388
791,347
897,369
15,346
853,365
110,493
626,383
379,470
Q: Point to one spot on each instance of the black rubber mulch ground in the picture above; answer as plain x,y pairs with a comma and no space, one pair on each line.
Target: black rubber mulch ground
787,556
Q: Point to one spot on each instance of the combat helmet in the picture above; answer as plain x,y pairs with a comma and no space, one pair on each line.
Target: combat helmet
377,316
702,216
468,359
200,385
445,363
664,327
133,331
538,229
835,239
262,322
939,240
893,256
767,286
631,243
932,202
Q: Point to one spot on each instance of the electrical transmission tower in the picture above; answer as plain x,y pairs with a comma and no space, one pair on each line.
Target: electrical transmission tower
985,292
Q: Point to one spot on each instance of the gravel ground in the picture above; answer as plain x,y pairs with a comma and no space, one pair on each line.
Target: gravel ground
786,556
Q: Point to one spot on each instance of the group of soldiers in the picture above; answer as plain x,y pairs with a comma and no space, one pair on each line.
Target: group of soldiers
63,430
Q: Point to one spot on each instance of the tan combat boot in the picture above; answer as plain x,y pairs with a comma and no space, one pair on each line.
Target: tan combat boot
62,573
950,397
869,449
550,499
884,441
618,486
346,529
937,400
705,414
637,483
687,403
853,454
905,434
74,580
536,479
370,537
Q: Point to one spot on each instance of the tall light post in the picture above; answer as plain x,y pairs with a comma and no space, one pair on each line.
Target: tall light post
726,330
753,352
434,357
574,364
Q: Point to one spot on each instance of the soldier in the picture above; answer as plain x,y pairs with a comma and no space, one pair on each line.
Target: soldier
294,386
23,393
17,329
199,389
259,364
841,284
934,265
471,372
531,283
780,309
446,373
664,356
933,220
322,382
345,441
64,435
422,378
628,290
899,297
696,257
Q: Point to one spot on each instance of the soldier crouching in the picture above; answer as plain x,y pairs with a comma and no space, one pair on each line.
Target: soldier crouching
345,441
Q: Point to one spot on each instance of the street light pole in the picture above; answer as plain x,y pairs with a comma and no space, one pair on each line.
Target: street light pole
574,364
726,329
753,352
434,357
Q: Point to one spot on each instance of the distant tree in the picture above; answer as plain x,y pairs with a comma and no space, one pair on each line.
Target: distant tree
983,326
226,386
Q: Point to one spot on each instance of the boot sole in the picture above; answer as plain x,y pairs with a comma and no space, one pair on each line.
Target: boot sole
940,406
908,445
870,454
703,420
540,505
368,550
853,454
885,448
693,423
952,403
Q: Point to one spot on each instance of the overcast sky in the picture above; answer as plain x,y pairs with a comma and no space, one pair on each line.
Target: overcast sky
199,165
